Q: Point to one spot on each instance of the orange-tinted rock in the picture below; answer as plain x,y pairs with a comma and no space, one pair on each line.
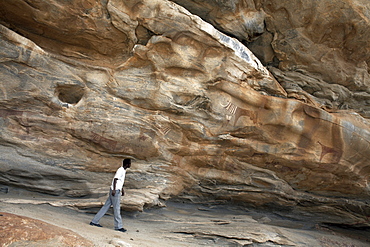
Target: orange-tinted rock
317,49
21,231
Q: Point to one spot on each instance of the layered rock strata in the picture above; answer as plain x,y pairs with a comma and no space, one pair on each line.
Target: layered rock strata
318,50
85,84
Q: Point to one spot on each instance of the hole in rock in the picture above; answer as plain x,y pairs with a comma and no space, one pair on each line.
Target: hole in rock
143,35
70,94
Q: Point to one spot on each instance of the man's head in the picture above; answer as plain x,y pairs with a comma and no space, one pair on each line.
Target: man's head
126,163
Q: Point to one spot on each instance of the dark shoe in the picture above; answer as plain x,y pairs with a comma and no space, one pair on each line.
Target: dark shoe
93,224
121,230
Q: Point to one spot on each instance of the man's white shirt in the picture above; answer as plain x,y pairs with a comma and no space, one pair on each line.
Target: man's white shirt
120,174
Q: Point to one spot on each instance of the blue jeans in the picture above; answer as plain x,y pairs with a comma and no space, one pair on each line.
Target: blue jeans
114,201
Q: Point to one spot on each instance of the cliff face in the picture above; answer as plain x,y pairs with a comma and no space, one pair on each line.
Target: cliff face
87,83
318,50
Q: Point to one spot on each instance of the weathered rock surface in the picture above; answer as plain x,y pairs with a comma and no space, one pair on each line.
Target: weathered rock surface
84,84
318,50
23,231
182,224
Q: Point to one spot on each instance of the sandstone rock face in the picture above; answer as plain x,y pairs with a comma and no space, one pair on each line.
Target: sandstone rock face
87,83
318,50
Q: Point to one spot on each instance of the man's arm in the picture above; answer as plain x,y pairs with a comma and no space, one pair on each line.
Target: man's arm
114,186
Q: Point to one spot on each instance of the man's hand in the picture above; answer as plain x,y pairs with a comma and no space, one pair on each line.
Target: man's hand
123,192
114,186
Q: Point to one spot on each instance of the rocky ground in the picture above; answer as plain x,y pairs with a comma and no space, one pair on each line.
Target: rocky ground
178,224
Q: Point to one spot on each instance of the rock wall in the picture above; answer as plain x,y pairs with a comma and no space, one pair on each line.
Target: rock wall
87,83
318,50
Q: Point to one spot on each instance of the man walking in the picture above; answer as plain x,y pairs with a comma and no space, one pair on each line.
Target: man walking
114,198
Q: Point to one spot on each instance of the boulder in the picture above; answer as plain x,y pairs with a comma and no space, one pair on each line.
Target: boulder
23,231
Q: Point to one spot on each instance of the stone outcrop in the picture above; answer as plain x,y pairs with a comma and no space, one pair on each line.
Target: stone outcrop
86,83
318,50
23,231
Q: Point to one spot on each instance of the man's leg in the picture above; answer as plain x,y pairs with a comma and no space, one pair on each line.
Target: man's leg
103,210
116,201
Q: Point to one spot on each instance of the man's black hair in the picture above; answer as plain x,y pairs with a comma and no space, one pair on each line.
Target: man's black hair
126,162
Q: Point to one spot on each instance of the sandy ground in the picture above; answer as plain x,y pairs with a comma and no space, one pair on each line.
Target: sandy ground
138,234
182,224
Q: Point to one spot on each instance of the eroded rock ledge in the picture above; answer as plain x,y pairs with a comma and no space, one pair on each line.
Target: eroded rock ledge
84,84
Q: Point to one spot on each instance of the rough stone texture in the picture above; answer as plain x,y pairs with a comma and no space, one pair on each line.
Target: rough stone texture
23,231
201,115
318,50
183,224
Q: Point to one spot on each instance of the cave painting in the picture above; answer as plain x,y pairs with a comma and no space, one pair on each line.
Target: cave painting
336,153
104,142
238,112
165,130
